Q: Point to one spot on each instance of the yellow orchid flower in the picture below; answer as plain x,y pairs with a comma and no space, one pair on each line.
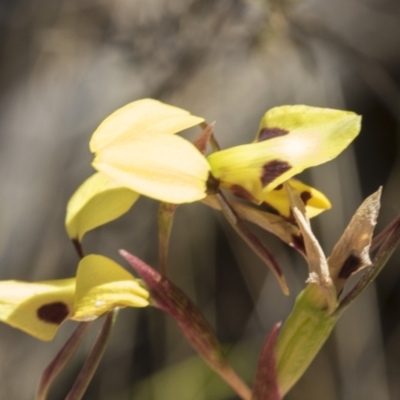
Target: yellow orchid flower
136,147
141,133
132,147
40,308
290,139
136,151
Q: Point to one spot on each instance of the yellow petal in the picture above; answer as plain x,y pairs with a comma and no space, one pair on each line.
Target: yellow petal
293,138
315,201
97,201
143,116
102,285
37,308
164,167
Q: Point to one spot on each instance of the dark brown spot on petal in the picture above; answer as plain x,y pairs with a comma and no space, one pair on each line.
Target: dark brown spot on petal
272,169
212,184
298,243
279,187
54,313
241,192
269,133
305,196
351,265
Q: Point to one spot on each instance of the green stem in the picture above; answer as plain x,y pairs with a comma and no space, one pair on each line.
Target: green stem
302,336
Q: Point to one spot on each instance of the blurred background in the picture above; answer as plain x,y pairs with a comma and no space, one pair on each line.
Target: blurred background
67,64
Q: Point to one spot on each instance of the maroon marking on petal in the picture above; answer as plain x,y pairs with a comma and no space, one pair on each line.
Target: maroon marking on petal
305,196
212,184
54,313
272,169
279,187
270,133
241,192
351,265
298,243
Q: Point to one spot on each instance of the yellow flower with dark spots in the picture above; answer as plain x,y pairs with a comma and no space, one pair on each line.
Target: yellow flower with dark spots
40,308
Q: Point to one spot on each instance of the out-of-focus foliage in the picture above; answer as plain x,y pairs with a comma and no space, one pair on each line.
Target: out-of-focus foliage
65,65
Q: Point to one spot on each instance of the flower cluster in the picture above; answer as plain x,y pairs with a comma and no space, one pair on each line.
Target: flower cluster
137,152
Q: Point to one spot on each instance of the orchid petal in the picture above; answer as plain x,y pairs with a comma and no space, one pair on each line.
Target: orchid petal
317,263
102,285
164,167
314,200
37,308
97,201
275,224
146,116
351,252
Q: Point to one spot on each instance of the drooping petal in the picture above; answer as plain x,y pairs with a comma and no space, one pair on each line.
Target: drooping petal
146,116
275,224
314,200
102,285
252,240
291,139
317,264
165,167
37,308
351,252
97,201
